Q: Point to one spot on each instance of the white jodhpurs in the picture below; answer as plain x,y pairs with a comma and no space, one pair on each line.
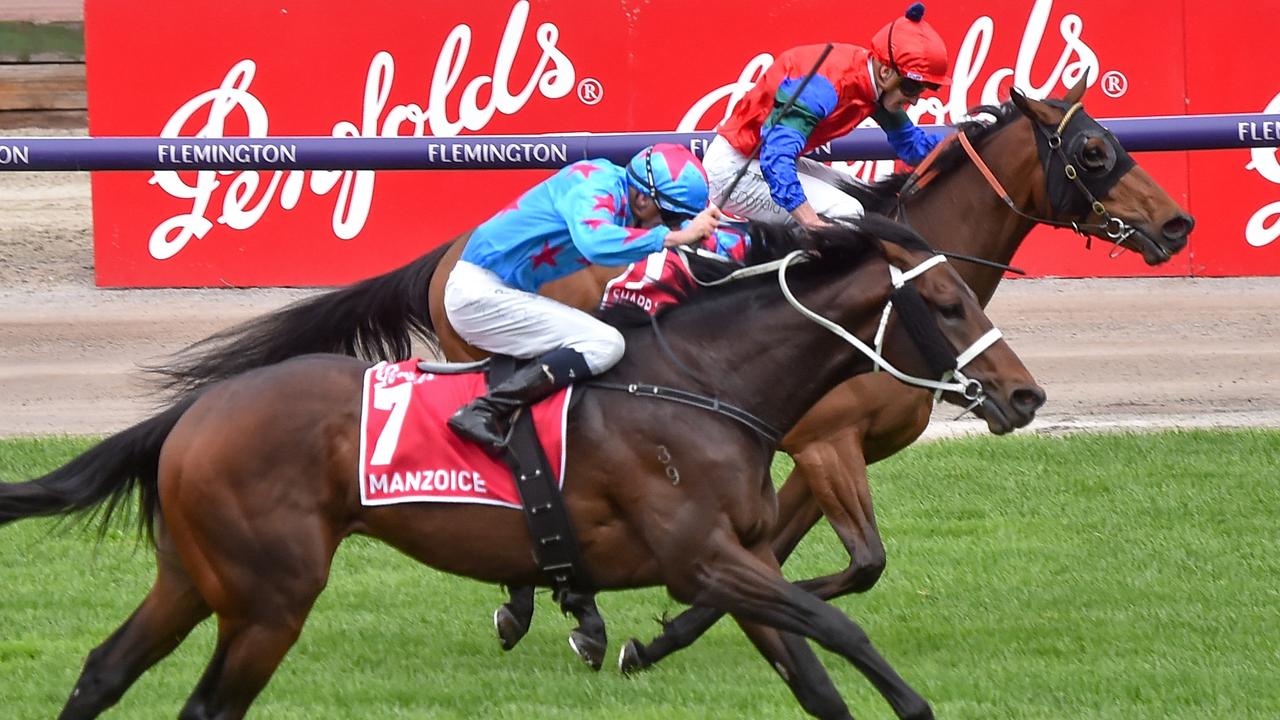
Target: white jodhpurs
751,199
496,317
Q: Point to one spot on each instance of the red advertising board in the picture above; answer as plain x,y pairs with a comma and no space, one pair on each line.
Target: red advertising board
409,67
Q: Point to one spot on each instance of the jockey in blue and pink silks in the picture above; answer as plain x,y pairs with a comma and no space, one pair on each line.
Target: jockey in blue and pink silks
592,212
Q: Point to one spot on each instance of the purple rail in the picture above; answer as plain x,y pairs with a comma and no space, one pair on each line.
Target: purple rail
1179,132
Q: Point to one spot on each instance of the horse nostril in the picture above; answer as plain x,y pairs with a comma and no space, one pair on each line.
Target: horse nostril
1179,227
1028,400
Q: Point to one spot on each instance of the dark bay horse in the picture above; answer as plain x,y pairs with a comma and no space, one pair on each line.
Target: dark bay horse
862,421
253,486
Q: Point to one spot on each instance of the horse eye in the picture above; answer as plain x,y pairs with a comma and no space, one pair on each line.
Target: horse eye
951,311
1094,156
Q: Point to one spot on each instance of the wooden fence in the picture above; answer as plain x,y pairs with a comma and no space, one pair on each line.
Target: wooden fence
42,64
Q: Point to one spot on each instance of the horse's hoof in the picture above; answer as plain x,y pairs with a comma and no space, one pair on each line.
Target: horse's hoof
588,648
510,630
631,660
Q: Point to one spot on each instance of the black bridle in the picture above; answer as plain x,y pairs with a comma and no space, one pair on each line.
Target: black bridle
1073,181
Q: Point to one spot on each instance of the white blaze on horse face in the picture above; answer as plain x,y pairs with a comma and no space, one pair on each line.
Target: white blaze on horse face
553,77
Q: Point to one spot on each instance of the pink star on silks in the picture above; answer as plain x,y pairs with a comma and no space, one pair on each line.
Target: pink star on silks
633,234
585,168
606,202
677,161
545,256
594,223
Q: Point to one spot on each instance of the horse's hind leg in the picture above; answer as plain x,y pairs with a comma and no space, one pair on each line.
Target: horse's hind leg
161,622
513,618
800,669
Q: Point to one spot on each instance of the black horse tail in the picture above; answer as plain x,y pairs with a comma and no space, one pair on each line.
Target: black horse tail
374,319
106,473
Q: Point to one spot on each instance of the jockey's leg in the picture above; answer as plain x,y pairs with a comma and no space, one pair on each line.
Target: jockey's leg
751,198
568,344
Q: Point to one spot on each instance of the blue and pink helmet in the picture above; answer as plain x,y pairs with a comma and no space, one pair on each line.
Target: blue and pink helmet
673,176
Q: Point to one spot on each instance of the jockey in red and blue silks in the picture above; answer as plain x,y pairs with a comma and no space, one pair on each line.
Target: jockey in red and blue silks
592,212
906,58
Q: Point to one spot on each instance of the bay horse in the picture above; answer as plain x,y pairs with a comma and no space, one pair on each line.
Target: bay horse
253,487
862,421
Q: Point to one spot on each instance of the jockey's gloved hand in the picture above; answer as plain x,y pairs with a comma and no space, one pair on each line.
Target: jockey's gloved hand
699,228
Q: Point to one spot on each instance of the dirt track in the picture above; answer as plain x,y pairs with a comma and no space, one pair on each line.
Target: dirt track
1110,353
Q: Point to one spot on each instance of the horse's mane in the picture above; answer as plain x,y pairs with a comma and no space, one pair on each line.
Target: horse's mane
836,248
881,195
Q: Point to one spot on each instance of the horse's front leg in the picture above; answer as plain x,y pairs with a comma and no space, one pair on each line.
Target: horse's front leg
798,512
835,472
513,618
589,640
748,584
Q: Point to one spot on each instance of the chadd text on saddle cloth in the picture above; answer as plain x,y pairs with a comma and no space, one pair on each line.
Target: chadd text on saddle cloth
407,454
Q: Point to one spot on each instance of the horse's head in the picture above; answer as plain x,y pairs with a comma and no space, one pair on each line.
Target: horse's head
953,338
1093,185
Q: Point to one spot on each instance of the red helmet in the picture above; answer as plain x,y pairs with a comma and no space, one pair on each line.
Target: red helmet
912,48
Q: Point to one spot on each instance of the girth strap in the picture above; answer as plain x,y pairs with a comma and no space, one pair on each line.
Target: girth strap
555,546
684,397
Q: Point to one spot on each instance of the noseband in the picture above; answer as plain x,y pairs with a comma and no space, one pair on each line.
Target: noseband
1061,152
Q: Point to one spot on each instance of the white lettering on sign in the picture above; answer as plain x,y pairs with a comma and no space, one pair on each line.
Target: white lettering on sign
15,154
475,153
226,154
246,201
1263,227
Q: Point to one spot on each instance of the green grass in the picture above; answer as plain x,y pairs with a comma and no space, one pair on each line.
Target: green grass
1122,576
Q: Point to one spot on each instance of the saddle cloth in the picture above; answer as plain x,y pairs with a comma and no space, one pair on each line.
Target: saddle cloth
648,284
407,454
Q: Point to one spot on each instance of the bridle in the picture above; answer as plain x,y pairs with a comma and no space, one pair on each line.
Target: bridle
1072,187
952,377
937,351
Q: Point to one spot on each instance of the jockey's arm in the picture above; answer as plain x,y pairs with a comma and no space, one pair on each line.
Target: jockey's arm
909,142
588,213
785,137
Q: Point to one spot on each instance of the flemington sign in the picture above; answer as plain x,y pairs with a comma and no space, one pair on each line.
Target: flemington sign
512,69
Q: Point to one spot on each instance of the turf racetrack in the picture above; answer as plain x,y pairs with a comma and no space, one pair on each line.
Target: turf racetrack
1116,576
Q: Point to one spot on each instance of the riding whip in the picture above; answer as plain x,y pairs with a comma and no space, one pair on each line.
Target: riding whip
760,143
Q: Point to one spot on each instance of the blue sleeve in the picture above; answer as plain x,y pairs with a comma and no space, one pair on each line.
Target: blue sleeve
785,136
910,142
587,210
782,146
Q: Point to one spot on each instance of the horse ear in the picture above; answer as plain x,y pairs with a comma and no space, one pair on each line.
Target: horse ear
1077,92
1034,109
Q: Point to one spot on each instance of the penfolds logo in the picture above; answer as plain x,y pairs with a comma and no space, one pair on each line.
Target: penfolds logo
246,199
1257,231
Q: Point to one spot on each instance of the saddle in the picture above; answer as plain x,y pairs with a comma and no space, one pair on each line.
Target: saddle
555,545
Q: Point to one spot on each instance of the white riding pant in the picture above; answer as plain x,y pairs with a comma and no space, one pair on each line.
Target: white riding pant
751,199
496,317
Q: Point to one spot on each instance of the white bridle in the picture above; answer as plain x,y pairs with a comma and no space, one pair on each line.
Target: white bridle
954,380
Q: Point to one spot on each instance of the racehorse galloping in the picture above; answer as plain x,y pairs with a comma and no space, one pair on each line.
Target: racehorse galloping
862,421
256,488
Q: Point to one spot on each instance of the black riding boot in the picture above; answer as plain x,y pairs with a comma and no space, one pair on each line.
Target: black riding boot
485,420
